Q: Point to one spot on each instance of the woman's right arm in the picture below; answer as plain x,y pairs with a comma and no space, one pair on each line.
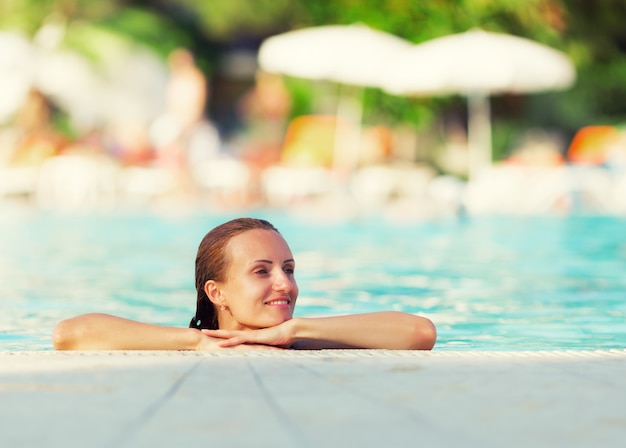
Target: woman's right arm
106,332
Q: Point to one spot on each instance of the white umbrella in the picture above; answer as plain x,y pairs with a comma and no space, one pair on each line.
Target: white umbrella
127,84
347,54
478,64
15,72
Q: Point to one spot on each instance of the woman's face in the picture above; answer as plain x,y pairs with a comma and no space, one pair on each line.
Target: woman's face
260,289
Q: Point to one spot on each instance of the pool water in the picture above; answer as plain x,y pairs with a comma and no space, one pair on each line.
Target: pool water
497,283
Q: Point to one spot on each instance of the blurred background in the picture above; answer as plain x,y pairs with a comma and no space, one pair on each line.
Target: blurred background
167,103
130,127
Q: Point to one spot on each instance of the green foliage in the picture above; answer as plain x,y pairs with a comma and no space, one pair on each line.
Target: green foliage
28,15
301,99
147,28
223,19
207,27
382,108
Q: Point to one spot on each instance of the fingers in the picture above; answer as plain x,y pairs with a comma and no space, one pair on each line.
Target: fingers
230,338
235,338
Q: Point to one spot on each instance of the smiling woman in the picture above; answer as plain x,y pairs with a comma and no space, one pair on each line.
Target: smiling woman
257,290
246,295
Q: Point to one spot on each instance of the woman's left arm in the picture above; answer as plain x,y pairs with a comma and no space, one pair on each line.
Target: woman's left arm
390,330
382,330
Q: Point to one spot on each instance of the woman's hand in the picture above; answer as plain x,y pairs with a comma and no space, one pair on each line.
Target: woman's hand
272,337
209,341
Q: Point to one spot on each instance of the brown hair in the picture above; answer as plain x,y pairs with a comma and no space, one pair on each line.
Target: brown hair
212,264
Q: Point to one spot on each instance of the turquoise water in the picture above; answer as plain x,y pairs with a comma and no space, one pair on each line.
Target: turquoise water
545,283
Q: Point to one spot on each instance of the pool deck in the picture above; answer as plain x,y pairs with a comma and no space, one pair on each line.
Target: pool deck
329,398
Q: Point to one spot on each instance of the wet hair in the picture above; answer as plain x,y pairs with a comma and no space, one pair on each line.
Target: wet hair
212,264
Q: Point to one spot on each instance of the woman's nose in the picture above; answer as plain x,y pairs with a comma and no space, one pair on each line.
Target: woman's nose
283,282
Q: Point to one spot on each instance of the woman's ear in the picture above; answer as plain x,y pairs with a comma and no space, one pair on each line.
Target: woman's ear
213,292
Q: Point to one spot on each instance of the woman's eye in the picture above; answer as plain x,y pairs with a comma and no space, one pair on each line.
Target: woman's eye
260,271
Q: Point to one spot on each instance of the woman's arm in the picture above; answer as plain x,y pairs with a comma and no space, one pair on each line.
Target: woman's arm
383,330
106,332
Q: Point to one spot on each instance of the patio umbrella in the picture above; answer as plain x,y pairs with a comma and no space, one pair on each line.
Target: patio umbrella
125,85
478,64
354,55
348,54
15,68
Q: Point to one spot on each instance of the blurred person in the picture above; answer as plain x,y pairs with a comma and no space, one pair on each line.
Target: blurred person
264,110
246,295
176,133
36,139
187,90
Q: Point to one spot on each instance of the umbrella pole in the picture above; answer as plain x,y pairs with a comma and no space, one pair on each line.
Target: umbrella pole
347,134
479,133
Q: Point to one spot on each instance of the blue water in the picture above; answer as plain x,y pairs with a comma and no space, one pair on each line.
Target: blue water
546,283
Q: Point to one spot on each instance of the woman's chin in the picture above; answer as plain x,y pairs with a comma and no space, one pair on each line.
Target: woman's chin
272,321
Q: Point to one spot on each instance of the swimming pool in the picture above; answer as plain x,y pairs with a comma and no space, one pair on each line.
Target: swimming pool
489,283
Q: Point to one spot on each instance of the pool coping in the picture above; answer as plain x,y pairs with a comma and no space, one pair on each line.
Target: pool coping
8,357
331,398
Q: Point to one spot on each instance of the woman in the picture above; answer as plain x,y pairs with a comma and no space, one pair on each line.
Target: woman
246,297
